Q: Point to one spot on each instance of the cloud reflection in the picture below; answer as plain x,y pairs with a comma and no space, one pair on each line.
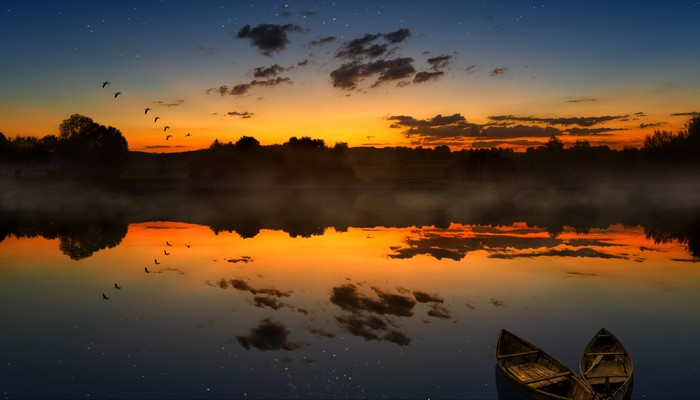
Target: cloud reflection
268,335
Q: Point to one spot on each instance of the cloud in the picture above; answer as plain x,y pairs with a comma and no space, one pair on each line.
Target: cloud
582,252
303,62
349,75
470,69
268,335
438,127
518,131
498,71
427,76
268,38
243,115
641,114
322,41
176,103
486,144
367,57
581,121
243,88
685,114
591,131
398,36
436,63
268,72
580,100
651,125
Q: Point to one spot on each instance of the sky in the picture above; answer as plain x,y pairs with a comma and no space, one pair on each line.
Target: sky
466,74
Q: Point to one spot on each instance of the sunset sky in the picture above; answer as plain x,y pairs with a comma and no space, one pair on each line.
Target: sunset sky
466,74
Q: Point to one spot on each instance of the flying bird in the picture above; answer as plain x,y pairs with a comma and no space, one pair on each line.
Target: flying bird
156,261
166,128
104,296
166,252
105,83
156,119
117,94
168,137
117,287
188,245
146,110
168,243
146,269
188,134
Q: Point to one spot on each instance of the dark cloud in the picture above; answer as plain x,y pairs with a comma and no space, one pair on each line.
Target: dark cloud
427,76
243,259
176,103
486,144
436,63
685,114
423,297
348,75
470,69
243,115
243,88
371,45
439,311
268,38
498,71
498,303
349,298
268,72
518,131
580,100
398,36
581,252
303,62
438,127
455,245
268,335
591,131
651,125
641,114
322,41
581,121
371,327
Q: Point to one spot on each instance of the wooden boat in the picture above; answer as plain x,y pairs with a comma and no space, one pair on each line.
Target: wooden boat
537,373
607,366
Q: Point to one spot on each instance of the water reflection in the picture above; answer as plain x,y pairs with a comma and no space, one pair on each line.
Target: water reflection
259,306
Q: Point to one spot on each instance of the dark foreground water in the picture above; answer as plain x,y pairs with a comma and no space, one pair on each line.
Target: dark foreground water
300,308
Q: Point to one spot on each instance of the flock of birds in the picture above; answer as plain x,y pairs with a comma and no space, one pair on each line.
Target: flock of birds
146,270
146,110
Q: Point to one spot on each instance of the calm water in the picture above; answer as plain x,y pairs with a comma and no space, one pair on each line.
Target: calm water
254,308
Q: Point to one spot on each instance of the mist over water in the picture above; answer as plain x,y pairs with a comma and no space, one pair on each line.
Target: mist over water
338,292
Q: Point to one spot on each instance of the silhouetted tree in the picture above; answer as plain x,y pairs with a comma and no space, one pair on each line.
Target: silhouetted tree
91,150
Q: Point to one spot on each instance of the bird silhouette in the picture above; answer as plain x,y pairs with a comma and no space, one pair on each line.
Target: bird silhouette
156,261
168,243
188,245
168,137
117,94
104,296
146,269
117,287
146,110
166,252
188,134
156,119
105,83
166,128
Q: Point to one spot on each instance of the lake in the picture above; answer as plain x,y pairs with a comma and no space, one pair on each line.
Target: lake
377,294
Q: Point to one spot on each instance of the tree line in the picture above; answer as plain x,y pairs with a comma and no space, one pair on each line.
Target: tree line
83,148
88,150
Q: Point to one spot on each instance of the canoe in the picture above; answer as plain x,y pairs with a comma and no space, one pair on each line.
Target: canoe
606,366
537,373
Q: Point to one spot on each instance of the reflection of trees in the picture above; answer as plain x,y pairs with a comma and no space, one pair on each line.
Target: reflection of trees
82,240
684,231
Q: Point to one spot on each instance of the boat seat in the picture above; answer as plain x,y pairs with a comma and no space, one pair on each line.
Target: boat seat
537,375
523,353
